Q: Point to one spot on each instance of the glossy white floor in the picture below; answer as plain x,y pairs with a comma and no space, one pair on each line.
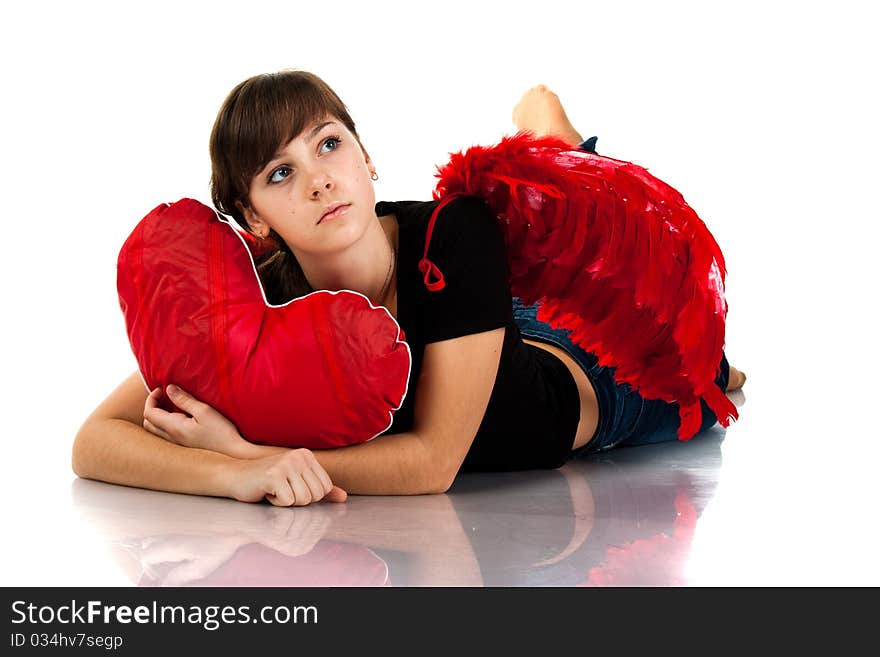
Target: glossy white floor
735,509
767,126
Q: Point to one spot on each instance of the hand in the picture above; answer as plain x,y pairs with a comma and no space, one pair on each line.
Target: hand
292,478
203,427
179,560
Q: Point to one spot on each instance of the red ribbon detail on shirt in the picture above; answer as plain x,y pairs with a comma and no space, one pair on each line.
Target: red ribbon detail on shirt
426,266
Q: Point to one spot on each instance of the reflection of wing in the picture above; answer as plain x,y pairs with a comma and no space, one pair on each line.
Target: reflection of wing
616,256
660,556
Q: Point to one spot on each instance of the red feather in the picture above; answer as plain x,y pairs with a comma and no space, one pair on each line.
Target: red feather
616,256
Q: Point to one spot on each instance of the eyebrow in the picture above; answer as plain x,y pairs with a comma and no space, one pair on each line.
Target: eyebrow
311,136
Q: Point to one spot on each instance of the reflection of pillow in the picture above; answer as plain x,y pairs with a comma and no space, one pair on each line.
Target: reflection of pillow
324,370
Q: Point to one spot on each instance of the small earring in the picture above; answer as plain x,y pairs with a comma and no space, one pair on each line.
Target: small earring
375,176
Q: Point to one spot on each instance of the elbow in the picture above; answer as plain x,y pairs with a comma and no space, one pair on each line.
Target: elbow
444,488
77,462
439,487
443,479
79,453
439,468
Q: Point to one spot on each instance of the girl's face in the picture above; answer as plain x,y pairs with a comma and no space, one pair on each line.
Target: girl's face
322,166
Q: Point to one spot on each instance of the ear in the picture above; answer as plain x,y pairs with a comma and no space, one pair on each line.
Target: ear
258,227
370,166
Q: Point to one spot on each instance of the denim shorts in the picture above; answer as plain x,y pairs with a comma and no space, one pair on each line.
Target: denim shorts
625,418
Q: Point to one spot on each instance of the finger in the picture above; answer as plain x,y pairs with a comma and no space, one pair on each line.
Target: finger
281,494
170,423
160,418
322,475
152,408
153,412
336,494
184,401
332,493
300,489
152,428
153,398
315,486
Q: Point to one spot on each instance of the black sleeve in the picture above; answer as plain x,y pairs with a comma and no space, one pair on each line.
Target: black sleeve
589,145
468,247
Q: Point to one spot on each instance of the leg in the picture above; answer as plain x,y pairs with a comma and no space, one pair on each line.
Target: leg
659,421
540,112
737,379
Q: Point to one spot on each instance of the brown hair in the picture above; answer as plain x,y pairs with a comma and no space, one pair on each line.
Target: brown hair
259,115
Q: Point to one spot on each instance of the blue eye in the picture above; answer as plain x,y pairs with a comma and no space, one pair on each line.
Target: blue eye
280,170
283,172
333,139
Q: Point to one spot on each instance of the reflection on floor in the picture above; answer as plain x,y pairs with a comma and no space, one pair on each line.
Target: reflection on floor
624,518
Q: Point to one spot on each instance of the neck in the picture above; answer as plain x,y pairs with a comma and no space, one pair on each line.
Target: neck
368,266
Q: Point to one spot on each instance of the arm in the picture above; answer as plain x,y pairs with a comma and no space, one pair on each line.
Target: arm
452,394
460,363
113,446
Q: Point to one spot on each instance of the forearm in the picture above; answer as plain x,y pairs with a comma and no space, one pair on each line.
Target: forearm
120,452
396,464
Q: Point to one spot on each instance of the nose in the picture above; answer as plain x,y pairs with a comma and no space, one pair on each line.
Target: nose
320,180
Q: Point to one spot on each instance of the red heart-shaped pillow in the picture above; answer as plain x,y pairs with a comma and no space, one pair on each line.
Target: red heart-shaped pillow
324,370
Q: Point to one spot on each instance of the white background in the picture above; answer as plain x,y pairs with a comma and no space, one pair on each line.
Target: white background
763,114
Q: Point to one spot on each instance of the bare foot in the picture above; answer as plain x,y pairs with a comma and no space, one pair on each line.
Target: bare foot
540,112
736,379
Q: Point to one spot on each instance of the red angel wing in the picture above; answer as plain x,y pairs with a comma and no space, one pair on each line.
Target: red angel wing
616,256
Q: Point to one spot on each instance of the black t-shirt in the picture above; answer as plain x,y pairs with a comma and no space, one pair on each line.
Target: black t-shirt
534,409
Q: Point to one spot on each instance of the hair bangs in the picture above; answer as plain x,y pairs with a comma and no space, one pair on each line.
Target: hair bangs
278,114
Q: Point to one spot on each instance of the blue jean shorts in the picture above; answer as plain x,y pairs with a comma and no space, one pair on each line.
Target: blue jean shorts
625,418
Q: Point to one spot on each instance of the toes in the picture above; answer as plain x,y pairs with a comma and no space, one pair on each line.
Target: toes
736,379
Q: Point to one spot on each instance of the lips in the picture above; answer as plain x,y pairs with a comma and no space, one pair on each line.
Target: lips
333,211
